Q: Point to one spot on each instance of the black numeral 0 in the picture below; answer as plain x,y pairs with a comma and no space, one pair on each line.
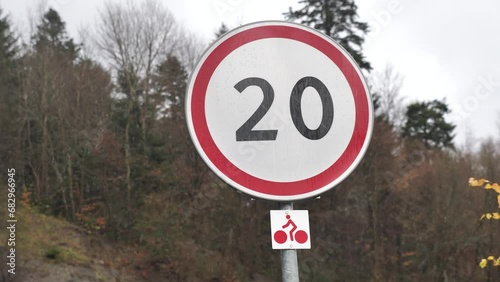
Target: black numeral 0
246,132
296,108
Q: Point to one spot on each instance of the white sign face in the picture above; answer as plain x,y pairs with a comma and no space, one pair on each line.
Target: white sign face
290,229
279,111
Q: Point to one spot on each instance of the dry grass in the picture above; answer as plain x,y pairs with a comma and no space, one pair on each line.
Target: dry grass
42,236
45,243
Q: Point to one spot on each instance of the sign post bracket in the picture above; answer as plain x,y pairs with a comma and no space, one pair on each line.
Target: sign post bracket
289,263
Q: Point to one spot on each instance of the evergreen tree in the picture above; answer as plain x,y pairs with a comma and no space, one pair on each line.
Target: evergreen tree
8,44
221,31
8,53
8,89
51,33
337,19
171,82
171,79
426,121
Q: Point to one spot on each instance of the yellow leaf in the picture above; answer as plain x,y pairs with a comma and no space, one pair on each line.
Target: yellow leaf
482,217
496,262
475,182
488,186
483,263
491,258
472,182
489,216
496,187
496,215
482,181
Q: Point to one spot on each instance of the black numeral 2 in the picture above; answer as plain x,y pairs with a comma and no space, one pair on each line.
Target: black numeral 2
246,132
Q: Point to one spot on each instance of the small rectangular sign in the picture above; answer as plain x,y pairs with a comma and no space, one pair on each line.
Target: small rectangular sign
290,229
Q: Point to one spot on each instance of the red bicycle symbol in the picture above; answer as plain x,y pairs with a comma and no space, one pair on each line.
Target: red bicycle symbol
281,237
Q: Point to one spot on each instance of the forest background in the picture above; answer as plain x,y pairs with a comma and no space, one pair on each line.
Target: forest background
96,133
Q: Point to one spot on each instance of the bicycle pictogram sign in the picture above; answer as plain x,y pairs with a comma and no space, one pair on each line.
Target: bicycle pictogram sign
281,237
290,229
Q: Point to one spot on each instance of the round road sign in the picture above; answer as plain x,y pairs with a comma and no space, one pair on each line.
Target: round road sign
279,111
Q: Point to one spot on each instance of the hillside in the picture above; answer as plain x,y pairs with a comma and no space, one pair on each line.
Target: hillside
49,249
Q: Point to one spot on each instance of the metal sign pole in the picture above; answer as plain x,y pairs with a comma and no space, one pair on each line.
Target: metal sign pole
289,264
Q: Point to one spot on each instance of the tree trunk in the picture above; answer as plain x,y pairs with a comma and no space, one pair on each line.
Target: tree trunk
60,182
144,113
70,184
377,245
36,178
44,160
127,149
82,187
44,163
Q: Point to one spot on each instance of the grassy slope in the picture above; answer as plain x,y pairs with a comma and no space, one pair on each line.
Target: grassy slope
52,249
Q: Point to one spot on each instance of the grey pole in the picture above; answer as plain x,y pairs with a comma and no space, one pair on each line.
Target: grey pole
289,264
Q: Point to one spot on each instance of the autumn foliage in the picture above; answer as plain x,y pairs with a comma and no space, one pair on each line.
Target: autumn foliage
486,184
102,142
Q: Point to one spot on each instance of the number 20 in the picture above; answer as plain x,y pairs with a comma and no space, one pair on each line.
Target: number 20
246,132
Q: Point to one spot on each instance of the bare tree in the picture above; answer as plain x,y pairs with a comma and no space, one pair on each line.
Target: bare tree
190,49
386,86
133,38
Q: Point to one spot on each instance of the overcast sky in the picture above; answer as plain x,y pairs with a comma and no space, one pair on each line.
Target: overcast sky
444,49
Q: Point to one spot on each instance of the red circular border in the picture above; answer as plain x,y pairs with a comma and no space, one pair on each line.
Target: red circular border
244,179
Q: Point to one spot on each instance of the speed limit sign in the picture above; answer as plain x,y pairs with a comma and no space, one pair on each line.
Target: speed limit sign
279,111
